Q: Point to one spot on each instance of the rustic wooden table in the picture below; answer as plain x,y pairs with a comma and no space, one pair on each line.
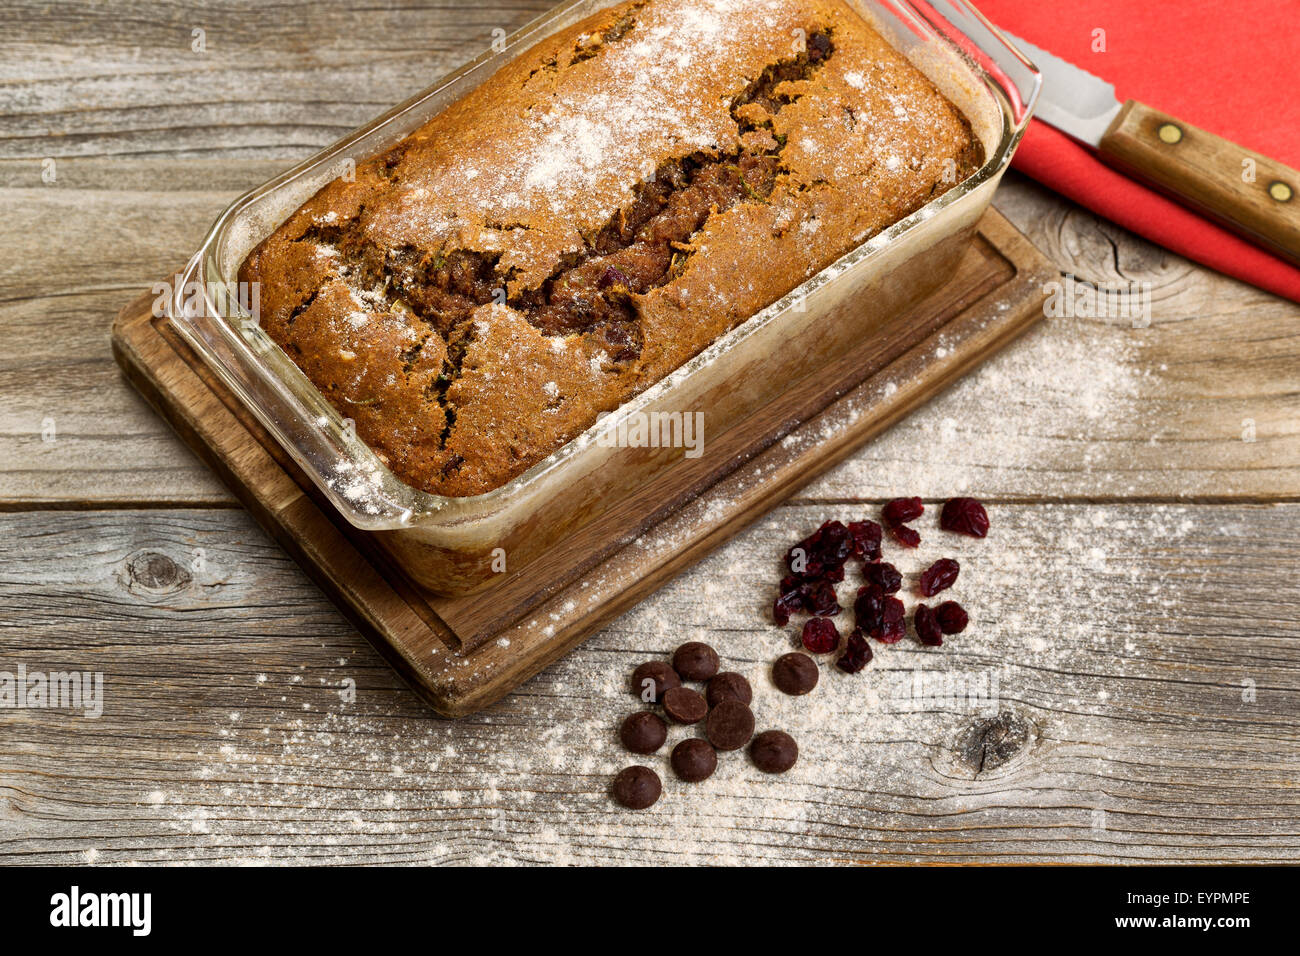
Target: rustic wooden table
1137,601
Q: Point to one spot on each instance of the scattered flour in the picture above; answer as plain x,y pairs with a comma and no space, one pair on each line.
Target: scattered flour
525,781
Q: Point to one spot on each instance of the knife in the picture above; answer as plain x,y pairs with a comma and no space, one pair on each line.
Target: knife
1246,191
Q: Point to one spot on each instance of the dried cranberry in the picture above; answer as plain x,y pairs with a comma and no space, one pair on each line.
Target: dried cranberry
938,577
857,653
834,575
790,600
884,576
866,540
907,537
835,544
820,635
802,563
891,628
952,617
800,560
927,626
901,510
785,605
867,608
819,598
823,551
965,516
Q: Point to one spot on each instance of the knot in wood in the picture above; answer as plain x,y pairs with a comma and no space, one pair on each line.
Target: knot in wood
155,572
993,741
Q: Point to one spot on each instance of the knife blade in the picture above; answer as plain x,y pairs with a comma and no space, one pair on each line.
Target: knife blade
1244,190
1072,100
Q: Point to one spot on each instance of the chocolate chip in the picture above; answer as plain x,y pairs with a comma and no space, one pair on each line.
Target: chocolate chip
663,676
637,787
684,705
695,661
643,732
729,686
730,725
774,751
795,673
694,760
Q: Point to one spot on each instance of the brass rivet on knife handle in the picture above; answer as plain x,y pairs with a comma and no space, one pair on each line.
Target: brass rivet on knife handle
1169,133
1244,190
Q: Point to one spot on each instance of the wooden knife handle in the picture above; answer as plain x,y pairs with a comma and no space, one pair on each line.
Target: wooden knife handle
1250,193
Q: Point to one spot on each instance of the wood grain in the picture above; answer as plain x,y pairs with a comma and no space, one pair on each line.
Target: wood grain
224,737
273,80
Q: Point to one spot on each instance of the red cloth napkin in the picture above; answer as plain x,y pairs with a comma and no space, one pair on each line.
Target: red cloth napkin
1230,68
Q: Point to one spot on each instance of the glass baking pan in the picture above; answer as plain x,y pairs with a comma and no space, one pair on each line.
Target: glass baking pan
454,545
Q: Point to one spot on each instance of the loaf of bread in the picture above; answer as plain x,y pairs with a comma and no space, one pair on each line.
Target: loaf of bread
591,217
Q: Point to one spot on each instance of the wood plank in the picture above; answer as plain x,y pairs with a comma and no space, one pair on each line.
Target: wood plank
56,371
275,80
1121,659
1085,408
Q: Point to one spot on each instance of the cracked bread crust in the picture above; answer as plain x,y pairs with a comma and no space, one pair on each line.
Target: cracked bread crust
591,217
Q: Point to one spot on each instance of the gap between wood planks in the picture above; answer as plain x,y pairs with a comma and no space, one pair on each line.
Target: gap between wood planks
145,504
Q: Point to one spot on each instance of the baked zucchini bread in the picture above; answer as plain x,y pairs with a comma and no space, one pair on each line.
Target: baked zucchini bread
591,217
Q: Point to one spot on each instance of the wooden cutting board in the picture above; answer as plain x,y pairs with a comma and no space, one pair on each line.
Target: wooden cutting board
461,654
